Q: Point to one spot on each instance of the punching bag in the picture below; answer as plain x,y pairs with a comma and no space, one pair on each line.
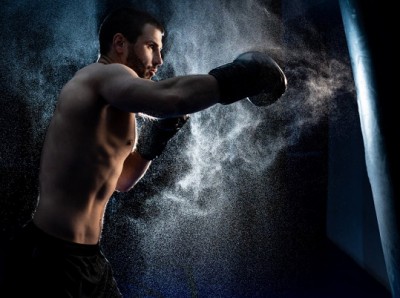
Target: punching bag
370,38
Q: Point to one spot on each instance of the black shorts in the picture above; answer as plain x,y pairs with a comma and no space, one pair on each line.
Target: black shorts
39,265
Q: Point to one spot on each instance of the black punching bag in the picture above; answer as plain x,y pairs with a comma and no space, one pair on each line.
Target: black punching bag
370,38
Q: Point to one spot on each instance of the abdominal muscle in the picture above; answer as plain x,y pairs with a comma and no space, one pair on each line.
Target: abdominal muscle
82,159
72,210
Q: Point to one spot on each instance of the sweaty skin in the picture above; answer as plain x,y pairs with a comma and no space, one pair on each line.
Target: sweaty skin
89,151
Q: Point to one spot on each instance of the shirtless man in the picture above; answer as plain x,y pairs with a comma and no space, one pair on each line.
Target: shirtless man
91,150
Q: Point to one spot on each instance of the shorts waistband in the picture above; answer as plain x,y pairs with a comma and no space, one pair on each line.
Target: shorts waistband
64,245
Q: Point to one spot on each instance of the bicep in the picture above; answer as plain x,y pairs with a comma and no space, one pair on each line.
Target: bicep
122,88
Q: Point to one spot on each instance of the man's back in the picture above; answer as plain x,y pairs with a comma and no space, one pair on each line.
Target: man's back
83,154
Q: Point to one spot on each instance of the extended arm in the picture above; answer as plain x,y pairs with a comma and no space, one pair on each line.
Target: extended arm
122,88
249,75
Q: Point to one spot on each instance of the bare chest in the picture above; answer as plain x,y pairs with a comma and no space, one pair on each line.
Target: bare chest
119,128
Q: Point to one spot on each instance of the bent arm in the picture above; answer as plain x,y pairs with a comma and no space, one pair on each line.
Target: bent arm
122,88
133,170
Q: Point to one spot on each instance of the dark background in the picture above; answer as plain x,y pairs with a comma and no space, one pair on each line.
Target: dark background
280,208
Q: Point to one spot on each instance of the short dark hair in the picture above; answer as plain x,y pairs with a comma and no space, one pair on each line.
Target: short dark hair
125,20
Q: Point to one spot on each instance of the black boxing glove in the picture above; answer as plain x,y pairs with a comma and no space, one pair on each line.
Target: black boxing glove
155,134
252,74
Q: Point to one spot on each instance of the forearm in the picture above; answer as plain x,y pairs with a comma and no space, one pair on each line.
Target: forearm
193,93
133,170
153,138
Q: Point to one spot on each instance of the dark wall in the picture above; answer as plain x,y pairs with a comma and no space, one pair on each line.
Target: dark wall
350,214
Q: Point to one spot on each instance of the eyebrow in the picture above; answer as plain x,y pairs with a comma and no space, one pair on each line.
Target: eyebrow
154,43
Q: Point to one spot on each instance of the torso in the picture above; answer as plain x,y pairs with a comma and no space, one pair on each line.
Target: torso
83,154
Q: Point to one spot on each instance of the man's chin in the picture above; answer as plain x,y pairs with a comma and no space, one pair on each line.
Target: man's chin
149,77
145,76
150,74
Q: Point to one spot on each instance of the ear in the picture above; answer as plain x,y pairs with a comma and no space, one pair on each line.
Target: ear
118,43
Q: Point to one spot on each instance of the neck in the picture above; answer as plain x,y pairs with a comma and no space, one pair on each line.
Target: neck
105,59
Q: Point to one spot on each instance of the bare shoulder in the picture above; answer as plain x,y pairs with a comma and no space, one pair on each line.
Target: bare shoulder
98,72
94,77
117,84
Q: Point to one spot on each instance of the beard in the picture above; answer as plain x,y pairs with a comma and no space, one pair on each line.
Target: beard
137,65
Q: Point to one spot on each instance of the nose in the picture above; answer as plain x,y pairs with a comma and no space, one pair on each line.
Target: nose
157,59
